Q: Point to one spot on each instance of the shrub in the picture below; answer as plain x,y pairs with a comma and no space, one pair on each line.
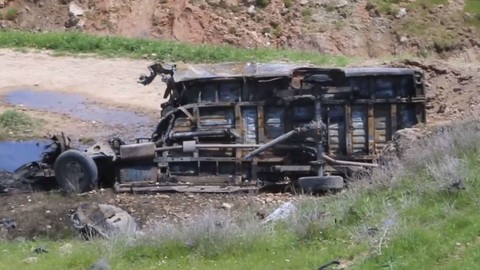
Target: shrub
262,3
11,14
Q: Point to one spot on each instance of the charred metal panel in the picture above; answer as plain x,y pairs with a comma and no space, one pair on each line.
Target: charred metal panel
217,117
337,130
274,122
138,151
359,129
250,124
138,174
382,126
229,91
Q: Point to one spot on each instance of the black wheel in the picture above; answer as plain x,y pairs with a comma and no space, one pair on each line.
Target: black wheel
75,172
320,183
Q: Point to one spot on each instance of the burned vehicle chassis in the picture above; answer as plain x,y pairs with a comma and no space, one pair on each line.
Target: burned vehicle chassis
233,127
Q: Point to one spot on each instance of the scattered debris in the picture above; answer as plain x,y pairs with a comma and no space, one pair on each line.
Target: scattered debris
8,223
65,249
30,260
101,264
226,206
325,266
402,12
282,212
40,249
102,220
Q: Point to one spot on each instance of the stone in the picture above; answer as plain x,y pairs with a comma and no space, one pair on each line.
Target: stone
101,264
401,13
317,17
251,10
2,3
304,2
30,260
226,206
75,10
341,3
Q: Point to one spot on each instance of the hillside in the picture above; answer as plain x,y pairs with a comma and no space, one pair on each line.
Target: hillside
361,28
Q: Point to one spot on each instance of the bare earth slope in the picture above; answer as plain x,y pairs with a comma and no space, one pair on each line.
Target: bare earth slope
367,28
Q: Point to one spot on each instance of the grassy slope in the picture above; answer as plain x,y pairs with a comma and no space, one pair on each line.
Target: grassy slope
419,224
17,125
72,42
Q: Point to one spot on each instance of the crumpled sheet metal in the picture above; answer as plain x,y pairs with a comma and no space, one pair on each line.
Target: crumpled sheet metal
186,72
102,220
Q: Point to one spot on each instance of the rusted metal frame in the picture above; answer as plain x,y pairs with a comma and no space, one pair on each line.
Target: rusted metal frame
201,179
371,129
393,120
228,104
220,159
291,168
261,138
368,101
328,150
179,188
239,129
348,128
343,162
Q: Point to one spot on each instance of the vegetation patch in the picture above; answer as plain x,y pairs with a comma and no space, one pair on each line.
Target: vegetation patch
15,124
10,14
113,46
473,8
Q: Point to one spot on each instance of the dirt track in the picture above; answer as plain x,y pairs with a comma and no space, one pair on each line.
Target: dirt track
111,82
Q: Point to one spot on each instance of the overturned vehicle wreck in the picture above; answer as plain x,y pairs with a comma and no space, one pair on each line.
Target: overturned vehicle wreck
239,127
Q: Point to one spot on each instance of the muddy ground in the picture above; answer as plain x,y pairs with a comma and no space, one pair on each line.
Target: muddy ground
94,98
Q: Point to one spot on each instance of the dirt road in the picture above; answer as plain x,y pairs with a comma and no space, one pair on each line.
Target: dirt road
111,82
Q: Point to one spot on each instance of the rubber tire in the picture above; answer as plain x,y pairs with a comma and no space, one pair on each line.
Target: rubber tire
320,183
90,171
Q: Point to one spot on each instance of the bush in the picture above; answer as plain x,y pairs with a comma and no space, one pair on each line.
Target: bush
11,14
262,3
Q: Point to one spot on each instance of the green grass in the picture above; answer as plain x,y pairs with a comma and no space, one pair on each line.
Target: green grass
15,124
419,224
473,7
392,6
112,46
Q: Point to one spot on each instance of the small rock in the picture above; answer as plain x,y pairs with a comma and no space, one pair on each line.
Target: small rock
251,10
41,4
100,265
66,249
268,200
304,2
75,10
30,260
401,13
2,3
317,17
403,39
226,206
341,4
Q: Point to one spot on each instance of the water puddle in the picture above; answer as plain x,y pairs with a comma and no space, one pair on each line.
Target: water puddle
15,154
74,105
